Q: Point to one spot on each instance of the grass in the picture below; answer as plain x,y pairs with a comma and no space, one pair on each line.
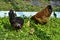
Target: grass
20,5
49,31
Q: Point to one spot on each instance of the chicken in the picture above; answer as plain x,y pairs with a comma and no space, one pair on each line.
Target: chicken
55,15
16,22
31,31
43,16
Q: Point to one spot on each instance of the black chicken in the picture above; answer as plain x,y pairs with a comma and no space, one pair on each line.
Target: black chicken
16,22
55,15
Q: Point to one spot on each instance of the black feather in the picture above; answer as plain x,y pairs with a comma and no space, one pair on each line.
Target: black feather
16,22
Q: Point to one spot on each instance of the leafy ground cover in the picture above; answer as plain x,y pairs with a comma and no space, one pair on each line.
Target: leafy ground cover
49,31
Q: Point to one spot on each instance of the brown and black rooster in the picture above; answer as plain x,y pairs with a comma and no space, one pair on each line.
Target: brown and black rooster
43,16
16,22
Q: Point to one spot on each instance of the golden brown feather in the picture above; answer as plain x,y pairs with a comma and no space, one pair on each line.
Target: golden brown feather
43,16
